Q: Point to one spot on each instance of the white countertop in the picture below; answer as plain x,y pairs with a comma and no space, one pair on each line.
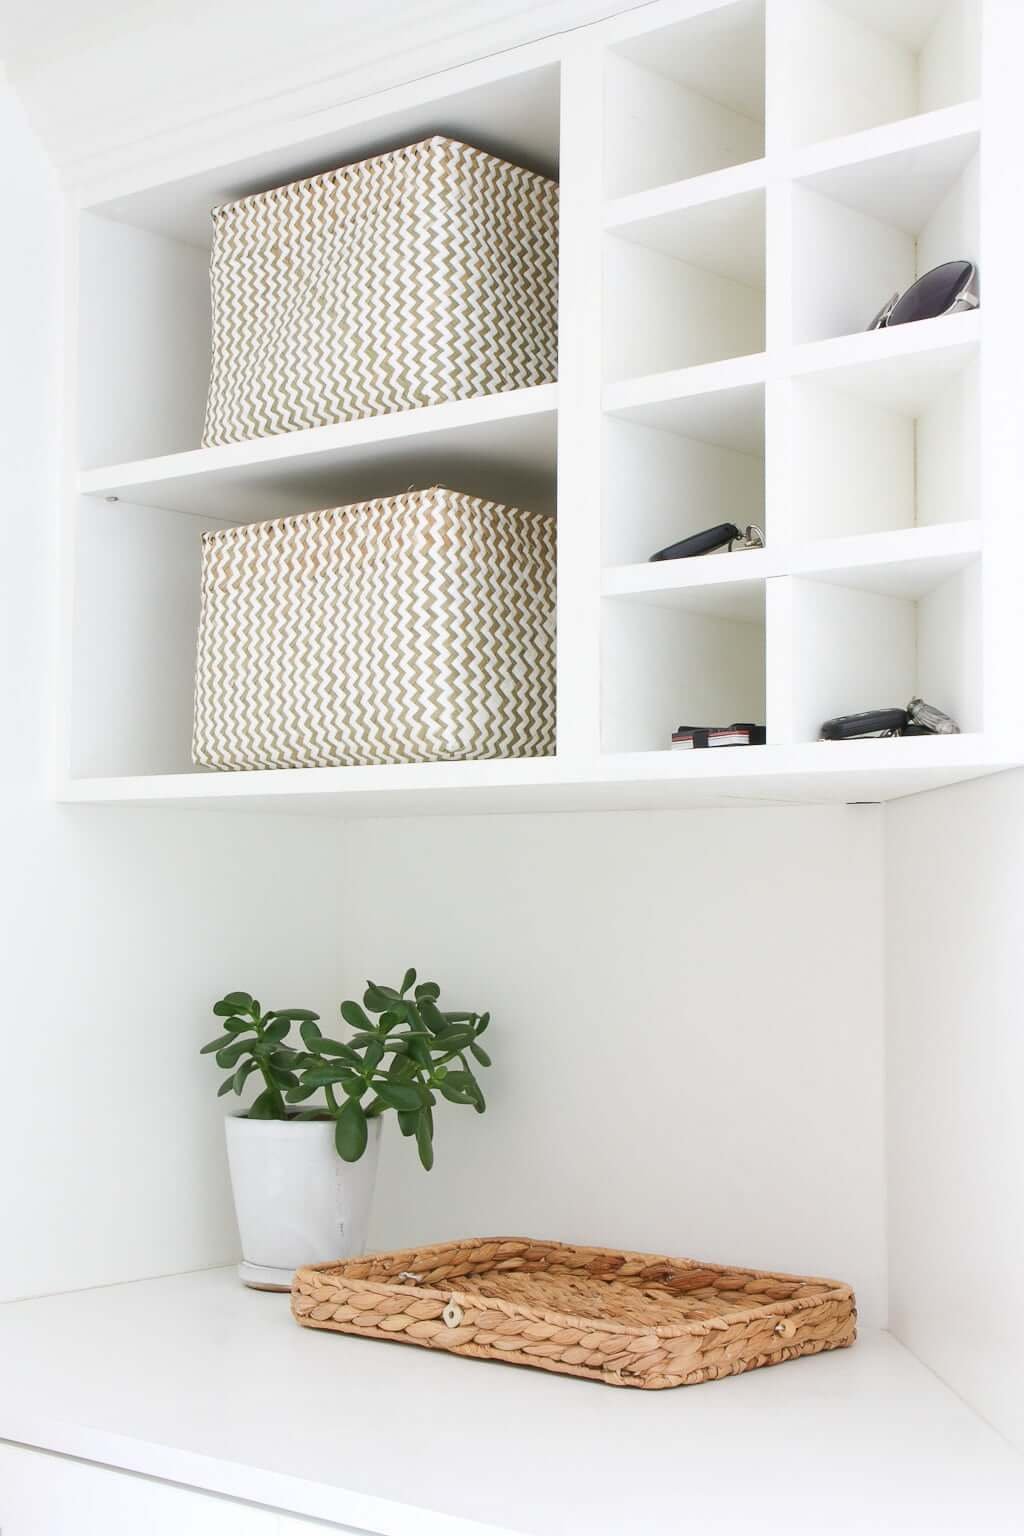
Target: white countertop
197,1380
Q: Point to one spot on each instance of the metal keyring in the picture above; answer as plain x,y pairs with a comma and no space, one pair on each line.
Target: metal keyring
752,537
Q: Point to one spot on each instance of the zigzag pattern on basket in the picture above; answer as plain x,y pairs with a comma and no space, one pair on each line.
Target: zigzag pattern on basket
411,629
425,275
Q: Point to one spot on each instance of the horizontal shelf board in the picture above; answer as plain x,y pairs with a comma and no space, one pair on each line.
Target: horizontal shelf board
902,369
898,173
725,586
721,403
716,222
498,446
693,191
614,781
809,772
907,562
196,1380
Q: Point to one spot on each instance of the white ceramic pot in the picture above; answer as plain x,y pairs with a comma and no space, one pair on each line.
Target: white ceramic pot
296,1201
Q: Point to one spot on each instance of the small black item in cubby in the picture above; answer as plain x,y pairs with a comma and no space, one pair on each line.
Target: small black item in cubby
918,719
742,734
722,536
945,290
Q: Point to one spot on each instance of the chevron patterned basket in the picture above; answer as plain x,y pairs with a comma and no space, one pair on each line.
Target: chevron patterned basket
424,275
412,629
627,1319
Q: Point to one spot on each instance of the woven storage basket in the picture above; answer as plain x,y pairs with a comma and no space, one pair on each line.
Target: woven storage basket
628,1319
420,276
411,629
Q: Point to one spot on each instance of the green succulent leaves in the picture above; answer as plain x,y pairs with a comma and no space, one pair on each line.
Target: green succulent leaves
403,1053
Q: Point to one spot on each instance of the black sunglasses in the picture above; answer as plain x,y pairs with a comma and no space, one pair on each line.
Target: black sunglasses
945,290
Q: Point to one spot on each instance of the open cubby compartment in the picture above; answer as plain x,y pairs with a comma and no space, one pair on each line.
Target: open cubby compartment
888,444
134,627
674,467
890,635
138,565
693,656
144,301
856,64
685,287
864,231
685,99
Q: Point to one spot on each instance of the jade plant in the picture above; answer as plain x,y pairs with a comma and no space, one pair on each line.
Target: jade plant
401,1058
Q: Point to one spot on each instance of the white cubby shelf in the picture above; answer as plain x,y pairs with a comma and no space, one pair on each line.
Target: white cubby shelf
744,184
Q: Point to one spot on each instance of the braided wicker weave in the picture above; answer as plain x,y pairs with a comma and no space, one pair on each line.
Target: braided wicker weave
628,1319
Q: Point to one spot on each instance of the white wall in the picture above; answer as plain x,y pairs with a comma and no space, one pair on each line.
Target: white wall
681,1061
117,927
955,902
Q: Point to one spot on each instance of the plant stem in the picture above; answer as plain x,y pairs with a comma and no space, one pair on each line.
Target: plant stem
275,1092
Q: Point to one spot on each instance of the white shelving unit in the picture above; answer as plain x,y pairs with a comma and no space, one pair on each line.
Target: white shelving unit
866,1436
743,185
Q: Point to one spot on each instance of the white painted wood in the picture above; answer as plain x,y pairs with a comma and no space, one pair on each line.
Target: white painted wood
947,452
719,294
719,402
42,1494
900,175
949,62
740,598
880,223
1000,409
902,369
949,647
669,666
136,621
955,1055
714,47
865,649
798,774
80,1373
853,651
579,421
686,99
853,465
904,563
846,265
859,65
663,314
500,446
508,105
661,485
144,342
720,233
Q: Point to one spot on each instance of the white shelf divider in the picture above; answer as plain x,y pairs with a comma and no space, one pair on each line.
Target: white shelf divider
906,562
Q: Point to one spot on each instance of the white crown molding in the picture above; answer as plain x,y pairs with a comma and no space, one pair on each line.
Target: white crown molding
120,119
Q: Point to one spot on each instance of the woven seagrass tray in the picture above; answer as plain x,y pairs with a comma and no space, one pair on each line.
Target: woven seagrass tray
628,1319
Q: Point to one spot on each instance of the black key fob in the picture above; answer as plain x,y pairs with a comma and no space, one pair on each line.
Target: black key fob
699,543
872,722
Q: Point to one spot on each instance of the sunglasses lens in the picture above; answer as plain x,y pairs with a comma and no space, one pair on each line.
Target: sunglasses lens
932,294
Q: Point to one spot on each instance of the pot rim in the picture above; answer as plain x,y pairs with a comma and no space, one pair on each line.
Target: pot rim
279,1127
